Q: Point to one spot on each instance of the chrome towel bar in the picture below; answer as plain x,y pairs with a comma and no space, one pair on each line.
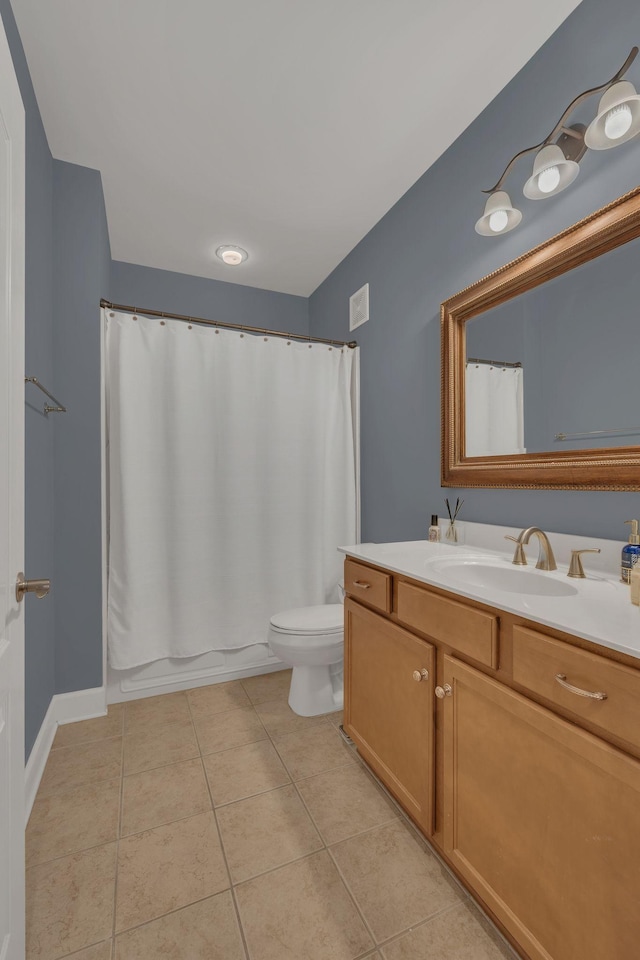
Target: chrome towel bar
47,407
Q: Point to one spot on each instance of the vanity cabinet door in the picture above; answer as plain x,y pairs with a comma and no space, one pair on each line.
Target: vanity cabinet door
389,707
543,821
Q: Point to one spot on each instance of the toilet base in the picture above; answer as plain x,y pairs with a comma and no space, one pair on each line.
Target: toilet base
316,690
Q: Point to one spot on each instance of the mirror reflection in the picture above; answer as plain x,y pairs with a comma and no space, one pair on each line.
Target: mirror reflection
555,368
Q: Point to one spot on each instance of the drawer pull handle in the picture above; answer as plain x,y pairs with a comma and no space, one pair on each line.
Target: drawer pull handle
362,584
419,675
591,695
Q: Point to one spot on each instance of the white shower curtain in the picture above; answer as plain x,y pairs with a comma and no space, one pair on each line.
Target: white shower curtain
494,422
231,483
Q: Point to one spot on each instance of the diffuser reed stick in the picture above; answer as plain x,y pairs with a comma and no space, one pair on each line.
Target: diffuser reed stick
451,533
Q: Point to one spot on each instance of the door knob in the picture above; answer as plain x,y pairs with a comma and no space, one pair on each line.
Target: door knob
419,675
39,587
442,692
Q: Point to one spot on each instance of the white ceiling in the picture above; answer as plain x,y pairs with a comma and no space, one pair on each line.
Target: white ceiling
288,127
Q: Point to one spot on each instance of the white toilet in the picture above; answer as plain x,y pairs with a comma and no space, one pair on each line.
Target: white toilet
311,640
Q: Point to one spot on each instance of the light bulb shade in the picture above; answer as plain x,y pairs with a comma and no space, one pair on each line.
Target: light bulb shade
498,202
549,159
621,93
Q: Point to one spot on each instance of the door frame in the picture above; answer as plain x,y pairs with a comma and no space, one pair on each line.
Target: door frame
13,116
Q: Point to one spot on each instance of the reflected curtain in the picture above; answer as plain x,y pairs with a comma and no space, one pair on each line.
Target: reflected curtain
494,412
231,466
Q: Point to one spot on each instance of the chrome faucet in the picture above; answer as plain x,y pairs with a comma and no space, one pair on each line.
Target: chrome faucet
546,559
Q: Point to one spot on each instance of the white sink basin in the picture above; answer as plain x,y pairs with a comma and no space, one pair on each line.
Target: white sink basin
494,575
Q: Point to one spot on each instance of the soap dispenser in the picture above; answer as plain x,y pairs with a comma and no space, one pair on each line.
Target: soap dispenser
630,553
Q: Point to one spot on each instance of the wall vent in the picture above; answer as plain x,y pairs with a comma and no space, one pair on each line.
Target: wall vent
359,307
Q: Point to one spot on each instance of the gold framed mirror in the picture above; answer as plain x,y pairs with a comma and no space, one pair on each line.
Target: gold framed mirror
566,295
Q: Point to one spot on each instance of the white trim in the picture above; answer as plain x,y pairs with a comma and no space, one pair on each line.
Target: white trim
355,402
38,758
80,705
64,708
103,486
127,687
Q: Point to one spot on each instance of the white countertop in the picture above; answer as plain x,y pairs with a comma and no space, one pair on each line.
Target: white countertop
600,610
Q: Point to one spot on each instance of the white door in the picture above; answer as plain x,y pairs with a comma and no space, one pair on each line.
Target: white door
12,808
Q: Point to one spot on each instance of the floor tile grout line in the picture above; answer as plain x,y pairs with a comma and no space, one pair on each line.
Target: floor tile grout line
359,833
243,938
420,923
308,856
300,779
165,823
169,913
214,752
95,943
250,796
353,758
76,786
83,743
354,899
79,786
465,896
406,819
161,766
73,853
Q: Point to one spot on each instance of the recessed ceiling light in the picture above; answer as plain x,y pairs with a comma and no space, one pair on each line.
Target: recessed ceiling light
231,255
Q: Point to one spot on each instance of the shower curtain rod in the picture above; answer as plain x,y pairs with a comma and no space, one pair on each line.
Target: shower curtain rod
218,323
494,363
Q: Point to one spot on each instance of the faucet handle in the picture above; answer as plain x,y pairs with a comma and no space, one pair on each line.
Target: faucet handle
575,567
519,557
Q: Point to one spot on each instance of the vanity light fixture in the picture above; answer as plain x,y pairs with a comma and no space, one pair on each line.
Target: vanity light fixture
556,164
618,118
231,255
499,216
552,172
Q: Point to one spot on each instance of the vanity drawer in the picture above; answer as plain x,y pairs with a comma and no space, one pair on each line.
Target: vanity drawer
538,660
463,628
368,585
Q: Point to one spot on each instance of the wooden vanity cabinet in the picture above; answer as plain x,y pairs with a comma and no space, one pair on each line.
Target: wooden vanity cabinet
542,820
539,817
389,704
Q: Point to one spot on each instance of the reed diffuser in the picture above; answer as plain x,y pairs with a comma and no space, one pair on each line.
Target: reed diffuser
452,531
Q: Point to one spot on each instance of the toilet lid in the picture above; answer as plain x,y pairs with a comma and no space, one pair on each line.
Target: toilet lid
324,618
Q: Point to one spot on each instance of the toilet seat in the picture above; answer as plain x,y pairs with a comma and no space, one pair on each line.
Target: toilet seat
322,620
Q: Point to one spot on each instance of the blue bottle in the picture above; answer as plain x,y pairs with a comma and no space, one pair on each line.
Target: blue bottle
630,553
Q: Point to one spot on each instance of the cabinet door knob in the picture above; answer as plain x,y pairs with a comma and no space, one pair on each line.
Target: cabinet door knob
419,675
442,692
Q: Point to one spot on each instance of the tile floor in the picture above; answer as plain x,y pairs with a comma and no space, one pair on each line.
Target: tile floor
217,825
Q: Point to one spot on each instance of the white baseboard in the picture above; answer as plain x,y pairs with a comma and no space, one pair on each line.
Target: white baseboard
80,705
38,758
64,708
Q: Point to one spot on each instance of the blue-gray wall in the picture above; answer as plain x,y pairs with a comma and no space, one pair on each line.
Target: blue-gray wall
425,249
81,271
39,440
210,299
67,270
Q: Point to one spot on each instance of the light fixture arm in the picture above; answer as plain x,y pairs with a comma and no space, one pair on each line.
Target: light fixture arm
560,125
